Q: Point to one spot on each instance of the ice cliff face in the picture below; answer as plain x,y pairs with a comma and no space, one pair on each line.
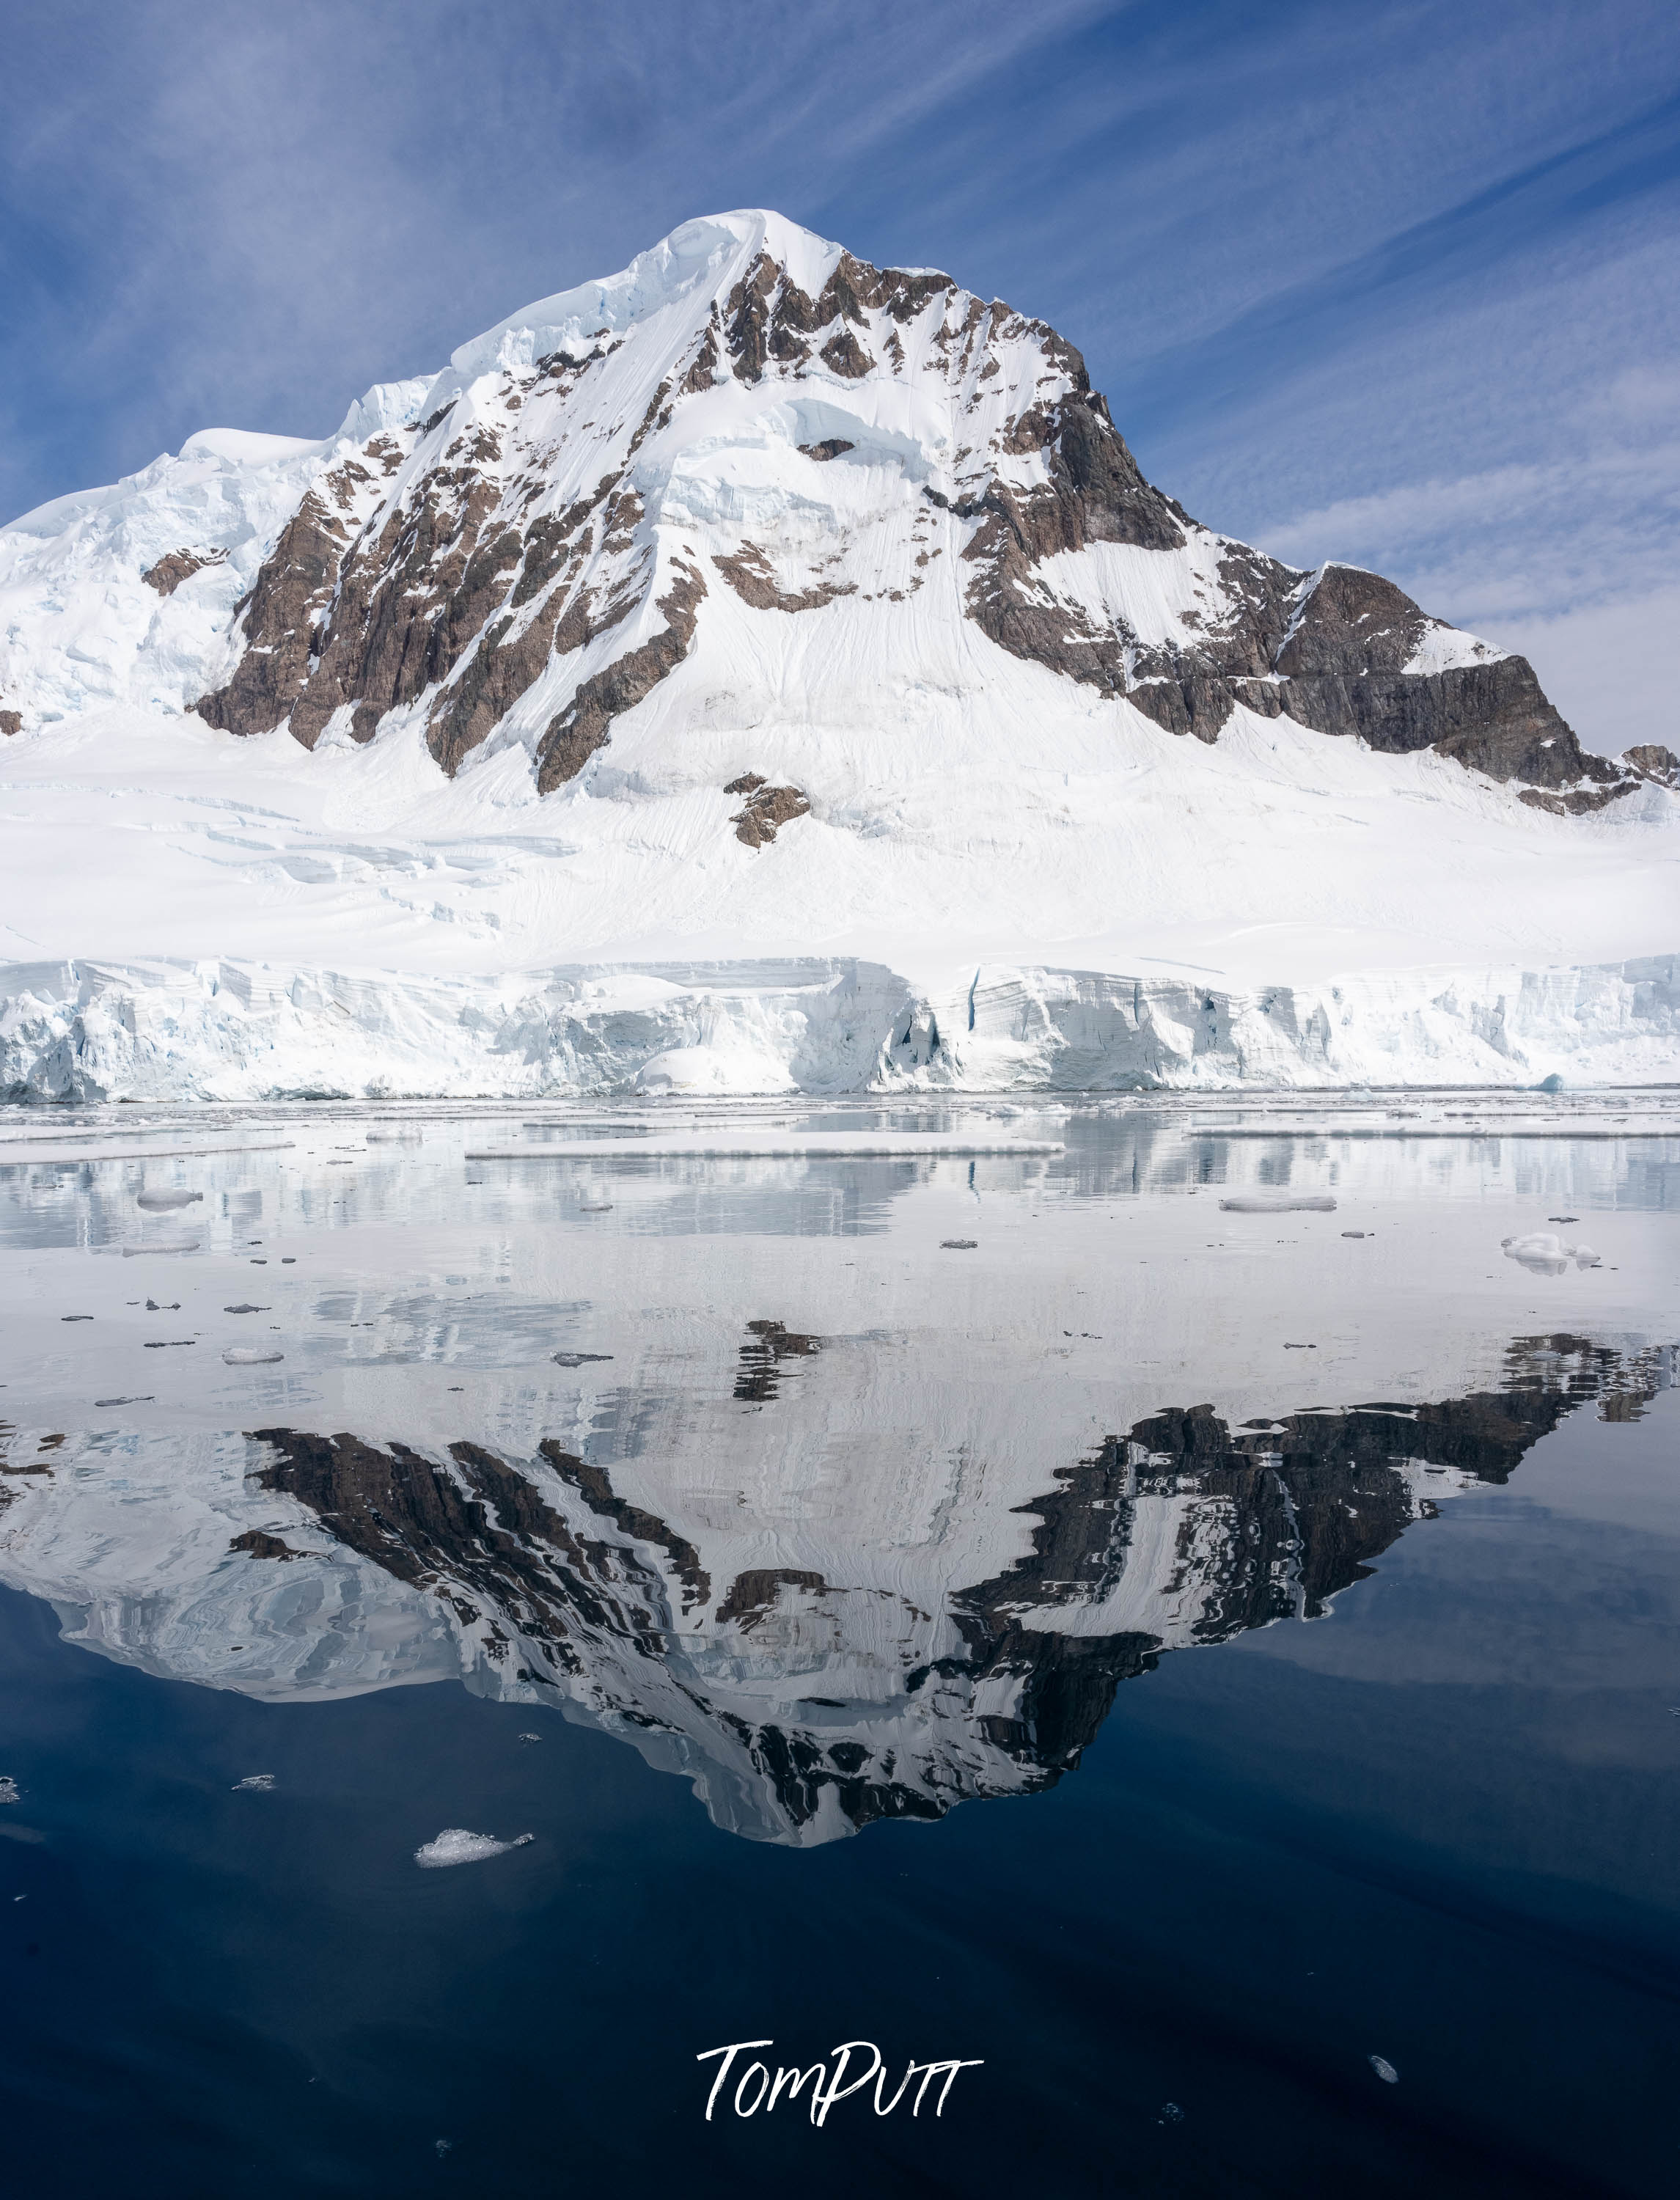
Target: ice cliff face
753,451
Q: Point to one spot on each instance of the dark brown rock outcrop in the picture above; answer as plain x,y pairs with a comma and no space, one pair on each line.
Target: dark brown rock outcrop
767,808
750,574
167,575
575,734
1652,760
282,615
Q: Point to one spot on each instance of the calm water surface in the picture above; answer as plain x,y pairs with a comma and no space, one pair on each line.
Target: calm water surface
1216,1667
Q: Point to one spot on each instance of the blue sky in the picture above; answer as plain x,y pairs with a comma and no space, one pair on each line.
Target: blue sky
1397,282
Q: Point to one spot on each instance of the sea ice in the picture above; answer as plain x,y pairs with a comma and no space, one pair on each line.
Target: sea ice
456,1845
1545,1253
1280,1202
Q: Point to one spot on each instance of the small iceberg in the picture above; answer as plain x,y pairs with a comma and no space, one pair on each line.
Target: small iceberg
1543,1253
455,1845
1280,1202
250,1356
160,1203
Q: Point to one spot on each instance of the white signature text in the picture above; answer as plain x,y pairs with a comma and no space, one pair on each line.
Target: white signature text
755,2087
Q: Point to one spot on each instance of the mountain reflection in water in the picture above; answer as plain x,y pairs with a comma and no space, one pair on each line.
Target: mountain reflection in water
849,1489
804,1707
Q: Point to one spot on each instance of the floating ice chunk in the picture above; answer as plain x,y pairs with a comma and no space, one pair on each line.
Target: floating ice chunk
256,1783
578,1359
530,1737
455,1845
1280,1202
160,1245
102,1403
160,1203
249,1356
1384,2068
8,1789
959,1244
1543,1253
594,1207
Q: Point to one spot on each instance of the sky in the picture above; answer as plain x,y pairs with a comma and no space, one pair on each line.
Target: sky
1396,281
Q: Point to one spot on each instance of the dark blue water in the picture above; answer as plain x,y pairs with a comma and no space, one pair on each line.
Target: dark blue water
1446,1838
1435,1827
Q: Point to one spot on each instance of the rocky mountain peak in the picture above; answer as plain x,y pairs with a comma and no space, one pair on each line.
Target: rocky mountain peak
748,446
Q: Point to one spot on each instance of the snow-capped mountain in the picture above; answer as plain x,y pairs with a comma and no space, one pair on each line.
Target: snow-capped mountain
757,602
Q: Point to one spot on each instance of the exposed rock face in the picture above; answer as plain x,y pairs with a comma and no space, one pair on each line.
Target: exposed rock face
520,560
1652,760
11,722
751,574
167,575
282,618
1330,651
767,808
575,734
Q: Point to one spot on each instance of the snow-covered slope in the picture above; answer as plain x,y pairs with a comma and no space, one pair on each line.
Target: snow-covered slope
756,603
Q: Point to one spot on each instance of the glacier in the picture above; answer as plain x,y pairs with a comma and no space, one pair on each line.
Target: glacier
79,1031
